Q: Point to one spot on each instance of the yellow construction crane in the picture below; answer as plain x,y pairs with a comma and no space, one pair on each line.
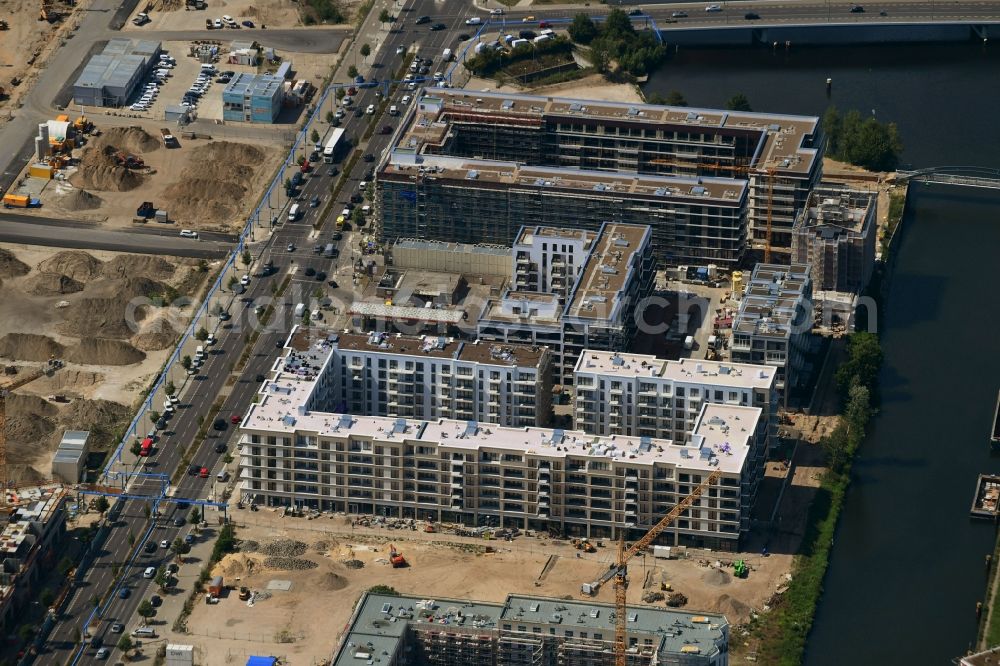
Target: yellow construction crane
47,369
619,571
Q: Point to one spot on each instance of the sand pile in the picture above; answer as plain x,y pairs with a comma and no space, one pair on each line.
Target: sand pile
155,333
20,404
331,582
53,284
11,266
112,308
99,170
29,347
68,381
138,265
132,140
219,197
235,565
29,430
735,610
80,199
76,264
101,351
102,418
716,577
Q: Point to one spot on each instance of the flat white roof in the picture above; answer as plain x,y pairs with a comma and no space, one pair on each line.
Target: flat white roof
714,373
725,430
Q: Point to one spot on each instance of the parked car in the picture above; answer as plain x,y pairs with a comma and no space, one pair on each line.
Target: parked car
103,653
248,24
150,572
496,11
235,418
150,547
320,276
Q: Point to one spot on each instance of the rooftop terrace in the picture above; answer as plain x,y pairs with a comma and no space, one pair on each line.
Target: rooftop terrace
735,375
443,347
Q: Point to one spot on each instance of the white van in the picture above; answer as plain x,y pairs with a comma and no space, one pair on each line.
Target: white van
200,352
446,55
300,309
293,213
144,632
393,110
222,476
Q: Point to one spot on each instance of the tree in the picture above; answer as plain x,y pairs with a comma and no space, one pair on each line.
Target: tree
170,388
675,98
314,137
383,589
232,282
738,102
366,50
64,566
179,548
135,449
186,362
195,516
76,635
833,127
145,610
861,141
201,334
352,71
25,632
248,256
330,117
162,580
617,24
154,416
358,218
125,644
101,504
582,30
341,93
47,597
600,56
864,358
131,539
384,16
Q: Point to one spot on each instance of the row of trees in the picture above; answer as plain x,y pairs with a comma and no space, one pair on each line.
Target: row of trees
737,102
862,141
490,60
616,40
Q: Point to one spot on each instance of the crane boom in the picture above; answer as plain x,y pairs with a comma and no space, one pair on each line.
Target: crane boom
619,571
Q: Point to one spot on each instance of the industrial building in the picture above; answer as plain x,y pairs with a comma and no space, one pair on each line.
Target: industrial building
524,631
29,547
573,290
113,76
644,396
476,166
293,454
774,323
253,98
433,377
835,234
71,456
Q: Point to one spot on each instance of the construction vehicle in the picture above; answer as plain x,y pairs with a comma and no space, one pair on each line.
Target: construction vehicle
740,569
584,545
20,201
619,570
129,161
146,210
169,140
244,593
396,558
82,124
429,528
50,367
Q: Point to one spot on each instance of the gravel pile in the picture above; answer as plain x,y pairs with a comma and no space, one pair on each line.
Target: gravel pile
276,548
289,563
354,564
321,546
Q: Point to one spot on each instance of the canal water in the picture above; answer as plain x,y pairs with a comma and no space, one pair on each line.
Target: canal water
908,564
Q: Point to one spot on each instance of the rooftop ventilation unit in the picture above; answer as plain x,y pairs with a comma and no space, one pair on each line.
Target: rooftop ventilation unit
399,426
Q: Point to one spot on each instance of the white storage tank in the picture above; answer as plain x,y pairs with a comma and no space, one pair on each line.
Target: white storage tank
180,655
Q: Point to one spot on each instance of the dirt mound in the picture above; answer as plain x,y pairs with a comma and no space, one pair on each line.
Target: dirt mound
129,139
102,418
29,430
235,565
99,170
716,577
112,309
11,266
735,610
76,264
101,351
29,347
19,404
137,265
80,199
53,284
156,334
331,582
219,197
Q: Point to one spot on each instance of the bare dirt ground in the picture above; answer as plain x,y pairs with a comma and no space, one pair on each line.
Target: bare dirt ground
589,87
305,622
171,15
202,184
74,305
25,45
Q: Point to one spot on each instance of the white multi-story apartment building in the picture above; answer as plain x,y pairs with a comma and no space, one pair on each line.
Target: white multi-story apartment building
573,290
431,377
644,396
774,322
292,454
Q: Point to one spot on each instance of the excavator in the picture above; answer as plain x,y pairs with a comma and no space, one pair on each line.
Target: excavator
396,558
619,570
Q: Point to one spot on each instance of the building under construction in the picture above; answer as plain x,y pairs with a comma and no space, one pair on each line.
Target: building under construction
525,631
477,166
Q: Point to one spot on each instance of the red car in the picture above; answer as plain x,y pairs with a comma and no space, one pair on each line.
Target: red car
234,419
204,473
544,24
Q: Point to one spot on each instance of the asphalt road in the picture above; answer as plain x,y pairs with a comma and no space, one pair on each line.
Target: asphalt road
51,232
301,40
